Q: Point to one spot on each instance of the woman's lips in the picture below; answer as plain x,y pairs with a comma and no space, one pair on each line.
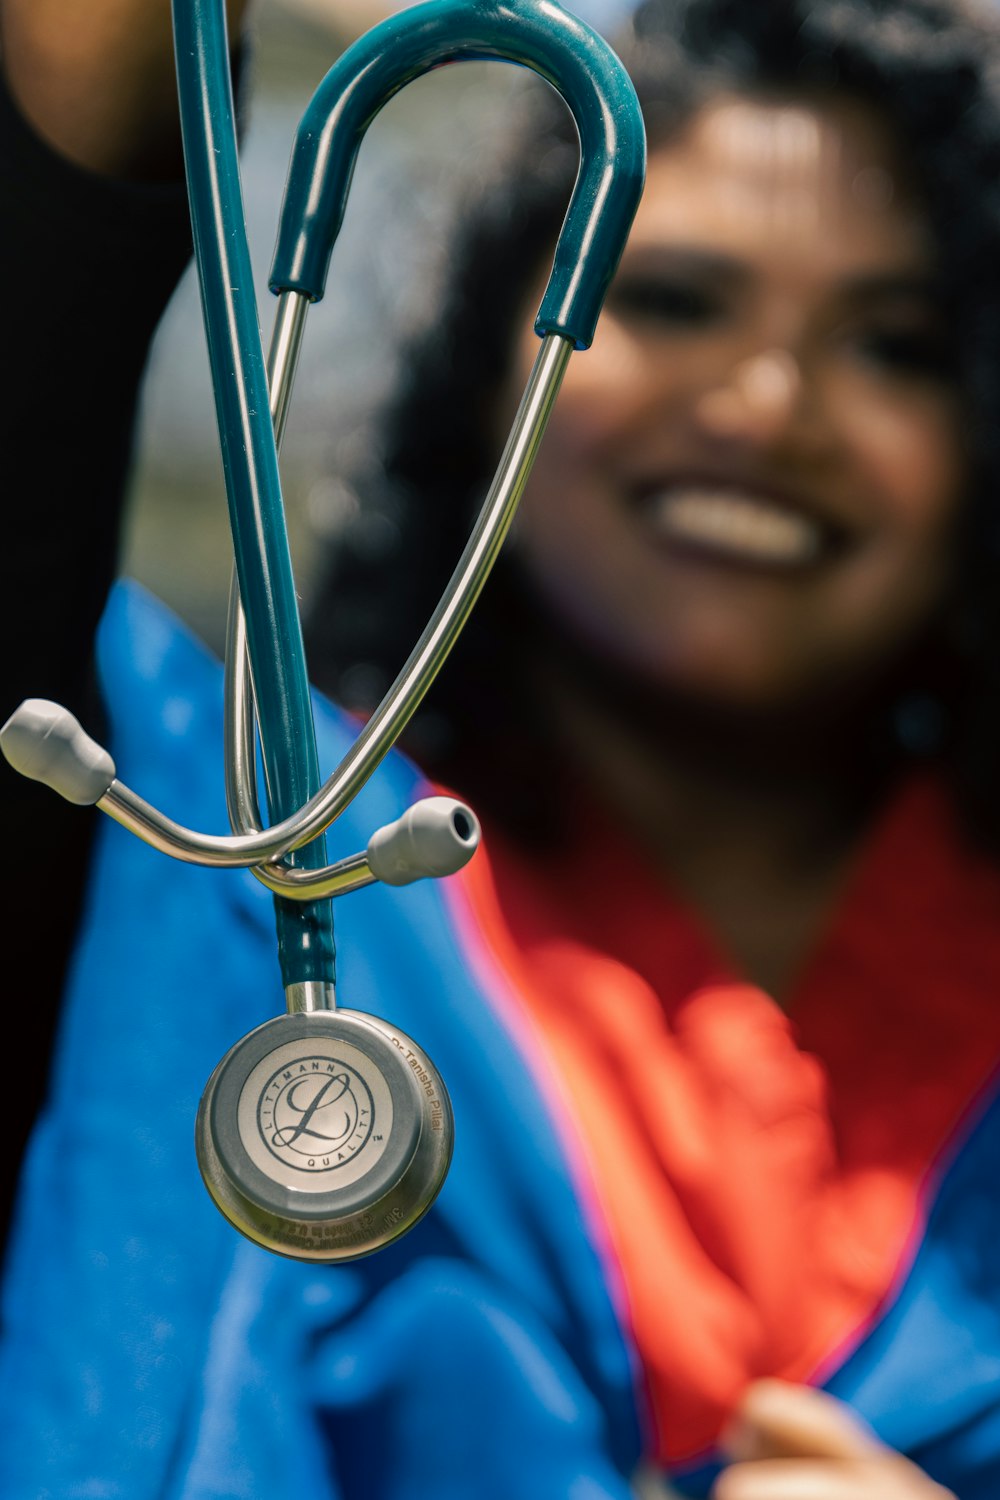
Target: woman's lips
737,525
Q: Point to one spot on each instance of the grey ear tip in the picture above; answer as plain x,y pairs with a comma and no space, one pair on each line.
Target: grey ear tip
43,741
433,838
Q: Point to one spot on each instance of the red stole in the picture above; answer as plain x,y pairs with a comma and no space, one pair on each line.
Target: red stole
763,1176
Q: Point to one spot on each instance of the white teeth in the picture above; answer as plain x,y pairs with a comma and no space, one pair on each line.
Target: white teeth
737,525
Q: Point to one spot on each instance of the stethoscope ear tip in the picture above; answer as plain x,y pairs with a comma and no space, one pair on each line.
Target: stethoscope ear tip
43,741
437,836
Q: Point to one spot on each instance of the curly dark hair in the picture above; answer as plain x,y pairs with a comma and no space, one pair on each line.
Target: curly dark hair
932,67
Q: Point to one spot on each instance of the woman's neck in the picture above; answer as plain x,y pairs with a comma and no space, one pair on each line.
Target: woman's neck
754,819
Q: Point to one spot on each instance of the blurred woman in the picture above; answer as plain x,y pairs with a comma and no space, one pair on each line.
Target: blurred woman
717,1005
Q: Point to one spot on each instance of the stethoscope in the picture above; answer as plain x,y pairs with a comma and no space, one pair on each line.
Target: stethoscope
326,1133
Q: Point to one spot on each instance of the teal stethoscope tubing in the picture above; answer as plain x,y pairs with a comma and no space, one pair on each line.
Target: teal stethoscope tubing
536,33
250,463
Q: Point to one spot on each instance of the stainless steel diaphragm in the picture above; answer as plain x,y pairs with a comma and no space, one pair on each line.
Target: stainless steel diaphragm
324,1135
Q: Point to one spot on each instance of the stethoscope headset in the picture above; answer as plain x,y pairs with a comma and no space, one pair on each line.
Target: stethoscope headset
326,1133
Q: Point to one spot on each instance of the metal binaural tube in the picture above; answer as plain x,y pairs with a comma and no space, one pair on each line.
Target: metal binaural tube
409,688
430,652
240,727
239,722
466,583
283,357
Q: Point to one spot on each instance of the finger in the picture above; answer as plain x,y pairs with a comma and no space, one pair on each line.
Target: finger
889,1478
776,1419
801,1479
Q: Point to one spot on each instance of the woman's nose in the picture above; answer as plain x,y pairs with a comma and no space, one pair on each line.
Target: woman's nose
759,403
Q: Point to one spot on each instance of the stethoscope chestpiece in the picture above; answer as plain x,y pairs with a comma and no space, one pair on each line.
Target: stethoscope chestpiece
324,1135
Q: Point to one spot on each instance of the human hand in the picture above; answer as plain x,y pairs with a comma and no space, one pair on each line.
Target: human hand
97,81
790,1442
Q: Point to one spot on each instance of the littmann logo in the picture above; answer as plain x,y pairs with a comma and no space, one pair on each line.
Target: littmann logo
315,1114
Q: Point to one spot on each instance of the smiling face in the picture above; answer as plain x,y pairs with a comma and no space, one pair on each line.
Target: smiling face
749,484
